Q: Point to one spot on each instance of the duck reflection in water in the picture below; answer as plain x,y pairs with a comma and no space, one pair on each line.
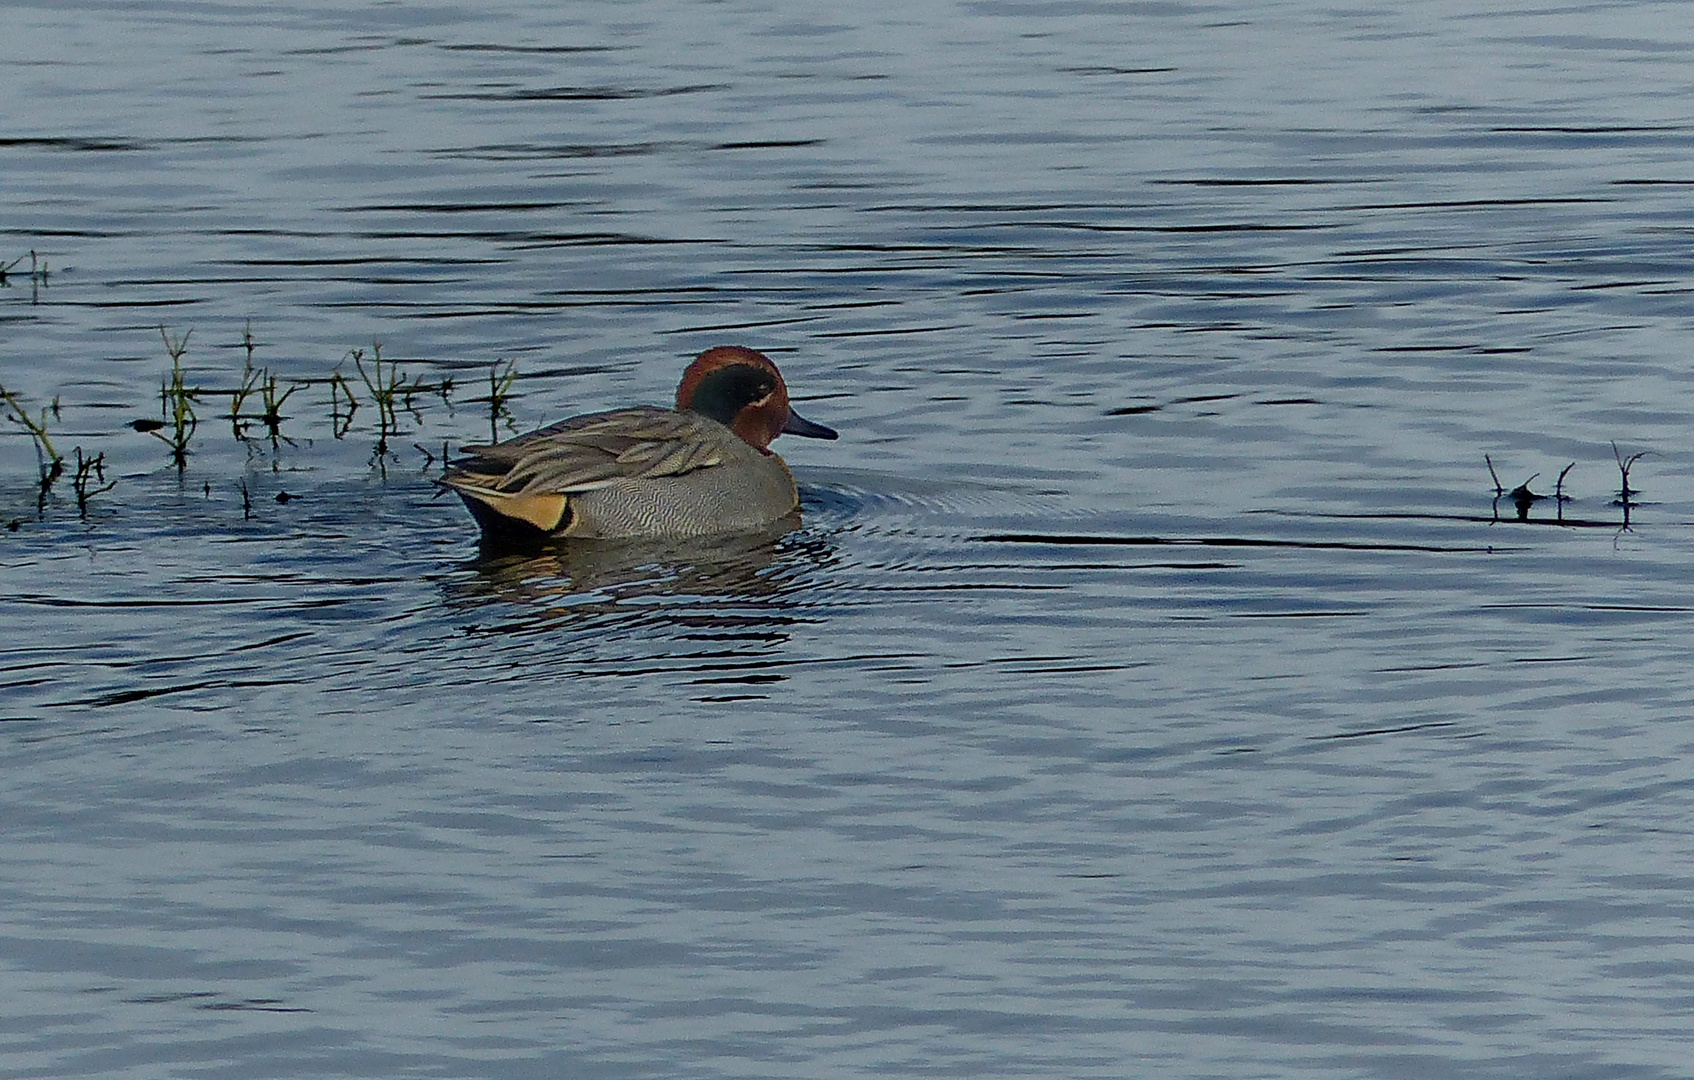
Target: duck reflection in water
736,585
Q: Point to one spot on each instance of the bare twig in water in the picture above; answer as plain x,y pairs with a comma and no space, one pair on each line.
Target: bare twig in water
37,270
1559,490
1624,465
89,471
37,275
1626,494
430,457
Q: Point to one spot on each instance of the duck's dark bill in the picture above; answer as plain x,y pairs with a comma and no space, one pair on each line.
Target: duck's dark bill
799,425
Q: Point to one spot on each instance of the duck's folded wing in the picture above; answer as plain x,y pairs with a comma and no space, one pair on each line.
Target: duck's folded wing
589,452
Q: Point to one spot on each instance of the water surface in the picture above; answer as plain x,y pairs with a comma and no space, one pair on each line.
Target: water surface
1155,686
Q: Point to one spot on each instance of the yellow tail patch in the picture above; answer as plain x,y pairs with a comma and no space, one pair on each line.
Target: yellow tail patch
543,511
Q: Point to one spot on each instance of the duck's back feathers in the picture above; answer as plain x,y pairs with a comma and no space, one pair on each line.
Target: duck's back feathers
593,451
621,473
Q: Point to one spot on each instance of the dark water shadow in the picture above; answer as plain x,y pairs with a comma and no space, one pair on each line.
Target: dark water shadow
741,587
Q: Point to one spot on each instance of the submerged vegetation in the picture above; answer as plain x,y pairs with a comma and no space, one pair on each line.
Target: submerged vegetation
88,479
394,397
176,402
499,394
263,382
1523,498
389,390
49,460
89,471
37,274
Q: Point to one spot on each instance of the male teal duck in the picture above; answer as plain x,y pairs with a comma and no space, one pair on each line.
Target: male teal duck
698,469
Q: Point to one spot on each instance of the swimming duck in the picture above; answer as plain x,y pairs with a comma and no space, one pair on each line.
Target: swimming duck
700,468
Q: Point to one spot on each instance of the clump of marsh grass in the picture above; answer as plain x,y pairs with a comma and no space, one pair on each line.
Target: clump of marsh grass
176,403
88,478
258,397
391,390
271,396
272,416
263,383
50,462
251,380
388,390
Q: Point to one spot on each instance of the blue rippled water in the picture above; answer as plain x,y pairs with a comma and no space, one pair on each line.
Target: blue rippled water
1166,679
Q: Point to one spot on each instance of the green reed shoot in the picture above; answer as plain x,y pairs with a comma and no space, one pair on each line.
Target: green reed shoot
384,387
176,401
340,390
50,461
272,416
389,389
499,393
252,380
264,383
